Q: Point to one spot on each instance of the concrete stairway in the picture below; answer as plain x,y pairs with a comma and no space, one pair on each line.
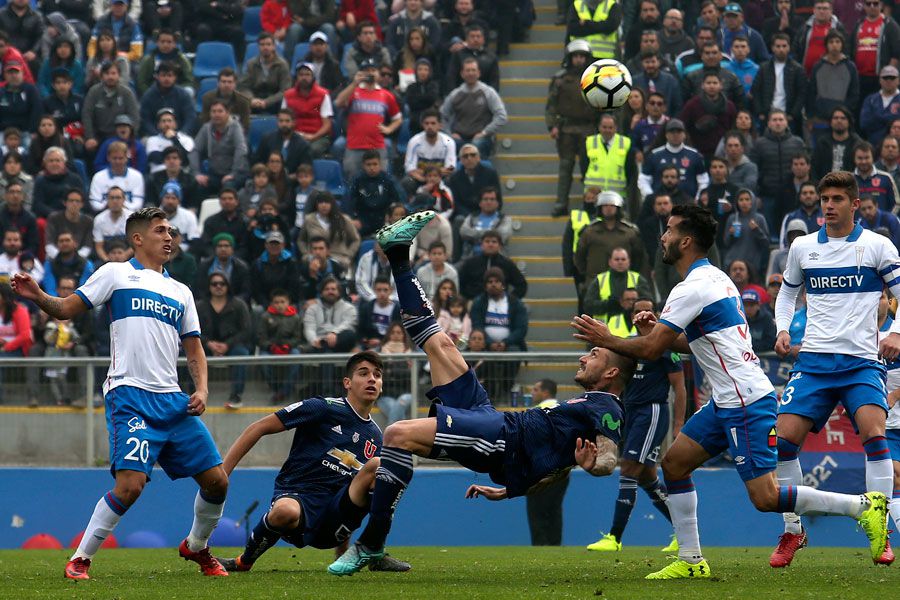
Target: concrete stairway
527,161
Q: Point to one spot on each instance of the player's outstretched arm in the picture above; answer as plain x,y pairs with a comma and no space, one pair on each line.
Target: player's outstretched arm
647,347
598,459
486,491
248,438
59,308
645,321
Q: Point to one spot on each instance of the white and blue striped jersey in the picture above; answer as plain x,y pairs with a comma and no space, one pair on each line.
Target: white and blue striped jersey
150,313
707,308
893,382
844,278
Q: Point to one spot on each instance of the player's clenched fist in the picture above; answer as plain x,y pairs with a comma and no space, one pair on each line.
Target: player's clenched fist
25,286
783,344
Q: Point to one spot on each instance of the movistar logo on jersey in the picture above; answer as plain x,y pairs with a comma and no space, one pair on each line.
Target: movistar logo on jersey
611,423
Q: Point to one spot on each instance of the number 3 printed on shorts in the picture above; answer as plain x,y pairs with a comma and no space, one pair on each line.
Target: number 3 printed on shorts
786,395
141,450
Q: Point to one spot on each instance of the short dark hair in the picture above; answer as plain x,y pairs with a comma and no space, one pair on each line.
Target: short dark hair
864,146
489,189
781,36
165,31
549,386
740,38
868,198
430,112
437,244
275,293
833,33
800,156
382,279
226,72
219,103
139,220
265,35
228,190
490,233
318,238
371,154
361,357
170,150
362,25
698,223
71,278
840,179
287,112
167,66
495,273
473,27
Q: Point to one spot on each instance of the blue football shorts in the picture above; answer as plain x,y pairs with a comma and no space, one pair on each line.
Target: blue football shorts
646,425
815,395
146,428
327,521
747,432
893,440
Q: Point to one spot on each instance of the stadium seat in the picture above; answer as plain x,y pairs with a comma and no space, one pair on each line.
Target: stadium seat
252,25
208,208
364,246
212,57
251,51
259,126
300,51
206,84
329,173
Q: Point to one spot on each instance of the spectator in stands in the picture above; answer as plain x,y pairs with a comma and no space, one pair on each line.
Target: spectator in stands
780,83
741,65
453,28
810,44
735,27
653,225
649,45
126,134
835,152
673,41
778,259
761,322
181,266
228,220
436,269
168,14
875,44
578,220
221,142
669,185
437,230
166,51
224,263
690,60
800,171
73,222
169,137
600,238
455,320
741,171
220,20
487,218
275,18
743,275
316,265
395,397
874,218
285,141
20,100
372,115
313,113
164,94
809,212
47,136
647,130
649,17
9,53
475,47
127,31
747,232
57,30
371,266
439,193
308,17
12,171
63,58
225,326
772,153
265,77
880,108
366,48
466,183
474,112
280,332
66,263
11,258
103,104
411,17
376,315
431,147
874,183
713,63
708,115
354,12
13,215
472,270
119,175
416,48
326,68
25,27
504,319
302,194
226,91
889,158
109,225
652,79
178,216
602,293
329,323
265,221
107,52
53,183
329,223
446,291
691,168
370,194
834,81
171,169
65,106
275,269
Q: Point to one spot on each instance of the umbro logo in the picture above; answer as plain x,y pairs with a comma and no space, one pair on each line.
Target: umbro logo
337,429
813,256
134,278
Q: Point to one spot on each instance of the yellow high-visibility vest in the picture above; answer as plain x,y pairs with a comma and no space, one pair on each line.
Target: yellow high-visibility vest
579,219
603,45
606,169
620,326
605,292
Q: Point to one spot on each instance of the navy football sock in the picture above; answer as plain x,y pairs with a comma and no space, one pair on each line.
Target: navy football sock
398,256
658,496
624,506
391,480
415,309
261,539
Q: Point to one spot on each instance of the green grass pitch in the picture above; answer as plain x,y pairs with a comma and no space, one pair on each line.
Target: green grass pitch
495,573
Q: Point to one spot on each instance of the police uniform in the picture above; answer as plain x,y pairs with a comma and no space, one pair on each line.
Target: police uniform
603,293
603,45
608,163
578,220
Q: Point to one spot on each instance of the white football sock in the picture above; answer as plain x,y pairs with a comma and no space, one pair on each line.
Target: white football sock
102,522
789,472
811,501
683,509
206,517
880,477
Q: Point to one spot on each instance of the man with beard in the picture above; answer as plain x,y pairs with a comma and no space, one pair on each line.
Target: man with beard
835,152
653,80
780,83
809,212
429,148
286,141
712,58
772,152
672,39
569,118
648,18
266,77
313,113
708,115
889,158
689,61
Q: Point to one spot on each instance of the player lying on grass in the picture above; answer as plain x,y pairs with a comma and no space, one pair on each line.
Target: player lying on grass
322,491
704,316
520,450
646,403
148,416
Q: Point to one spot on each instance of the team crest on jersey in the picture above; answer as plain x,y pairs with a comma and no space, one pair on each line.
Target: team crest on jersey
369,449
860,253
449,421
876,181
355,436
685,162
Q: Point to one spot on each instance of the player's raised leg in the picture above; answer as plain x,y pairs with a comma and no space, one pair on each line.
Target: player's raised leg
209,504
107,513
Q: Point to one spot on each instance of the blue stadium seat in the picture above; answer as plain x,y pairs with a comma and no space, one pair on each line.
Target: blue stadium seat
251,51
259,126
252,25
403,137
329,172
365,246
206,84
212,57
300,51
82,172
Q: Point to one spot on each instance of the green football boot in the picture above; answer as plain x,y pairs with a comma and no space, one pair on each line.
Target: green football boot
354,559
681,569
607,543
404,231
873,521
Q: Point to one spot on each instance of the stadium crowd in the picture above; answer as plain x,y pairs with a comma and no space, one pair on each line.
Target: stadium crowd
278,136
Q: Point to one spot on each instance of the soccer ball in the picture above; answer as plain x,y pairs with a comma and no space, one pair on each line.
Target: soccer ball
606,84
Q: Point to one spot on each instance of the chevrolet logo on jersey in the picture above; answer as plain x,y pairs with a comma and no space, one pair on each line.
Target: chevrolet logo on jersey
346,458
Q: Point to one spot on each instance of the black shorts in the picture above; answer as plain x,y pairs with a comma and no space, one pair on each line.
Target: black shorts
327,520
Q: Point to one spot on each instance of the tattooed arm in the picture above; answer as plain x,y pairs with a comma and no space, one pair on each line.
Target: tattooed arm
196,360
59,308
